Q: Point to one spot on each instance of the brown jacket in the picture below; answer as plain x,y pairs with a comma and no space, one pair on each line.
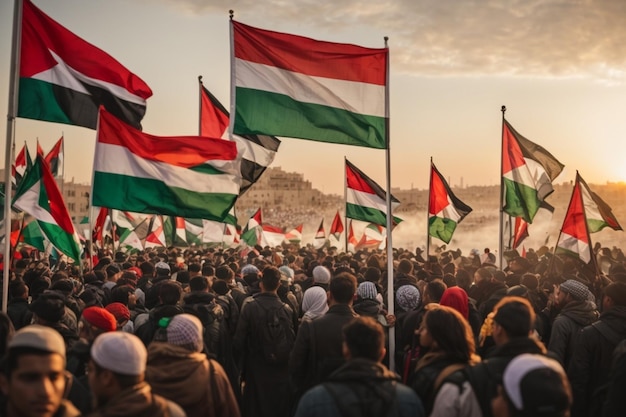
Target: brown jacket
138,401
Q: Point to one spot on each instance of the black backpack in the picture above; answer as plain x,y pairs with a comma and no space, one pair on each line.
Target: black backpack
276,335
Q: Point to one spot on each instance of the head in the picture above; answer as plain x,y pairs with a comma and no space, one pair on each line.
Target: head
614,295
407,298
342,288
270,280
434,291
170,292
445,330
364,338
185,330
118,361
483,276
33,375
513,317
533,386
94,321
571,291
124,294
199,283
162,270
321,275
456,298
48,308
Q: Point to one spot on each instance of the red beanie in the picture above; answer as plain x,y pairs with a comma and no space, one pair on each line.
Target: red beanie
100,318
119,310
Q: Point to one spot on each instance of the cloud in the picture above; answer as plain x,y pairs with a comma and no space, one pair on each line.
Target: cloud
539,38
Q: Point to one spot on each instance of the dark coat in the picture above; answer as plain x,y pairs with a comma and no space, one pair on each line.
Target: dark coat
18,311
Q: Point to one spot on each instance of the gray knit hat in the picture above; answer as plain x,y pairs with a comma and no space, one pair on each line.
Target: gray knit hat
576,289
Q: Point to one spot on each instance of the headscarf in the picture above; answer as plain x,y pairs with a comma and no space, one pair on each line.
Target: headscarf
314,303
456,298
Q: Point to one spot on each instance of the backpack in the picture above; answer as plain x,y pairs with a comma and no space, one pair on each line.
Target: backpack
599,396
276,335
212,318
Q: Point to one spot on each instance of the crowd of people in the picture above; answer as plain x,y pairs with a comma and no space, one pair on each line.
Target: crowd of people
292,331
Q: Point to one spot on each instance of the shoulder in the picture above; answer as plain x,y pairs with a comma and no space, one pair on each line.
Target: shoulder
175,410
316,402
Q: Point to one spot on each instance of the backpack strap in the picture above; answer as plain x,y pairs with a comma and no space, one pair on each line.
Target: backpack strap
445,372
607,332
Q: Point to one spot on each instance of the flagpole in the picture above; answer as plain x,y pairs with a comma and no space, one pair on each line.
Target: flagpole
501,243
63,168
430,181
16,42
390,292
200,105
231,121
345,200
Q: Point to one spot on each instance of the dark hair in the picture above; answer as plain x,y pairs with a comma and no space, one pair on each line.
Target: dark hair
405,267
199,283
58,276
343,287
224,272
17,289
6,332
124,381
170,292
270,278
182,277
616,291
452,333
485,273
515,315
194,267
435,290
208,270
120,293
10,359
364,338
530,281
147,269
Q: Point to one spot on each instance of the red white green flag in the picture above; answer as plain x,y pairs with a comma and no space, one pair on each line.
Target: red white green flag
156,234
320,236
336,229
598,213
574,239
372,238
251,233
186,176
38,195
445,210
65,79
295,235
54,158
352,240
288,85
272,236
527,174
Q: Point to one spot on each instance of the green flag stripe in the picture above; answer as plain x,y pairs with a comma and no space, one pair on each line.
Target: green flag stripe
441,228
520,200
367,214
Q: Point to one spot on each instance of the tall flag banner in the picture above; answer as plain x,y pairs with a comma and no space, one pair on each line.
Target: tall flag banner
336,229
54,158
156,236
352,240
366,200
39,195
372,238
527,174
193,231
445,210
186,176
574,238
127,229
320,237
288,85
40,149
175,233
65,79
257,151
22,163
598,213
251,233
520,232
32,235
97,235
295,235
273,236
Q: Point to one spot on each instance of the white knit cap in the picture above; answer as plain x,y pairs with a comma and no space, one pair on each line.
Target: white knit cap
120,352
185,330
321,275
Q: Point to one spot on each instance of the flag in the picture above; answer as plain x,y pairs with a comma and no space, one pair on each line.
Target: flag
22,164
54,158
445,210
598,213
527,174
320,236
175,233
336,229
98,229
288,85
193,231
39,195
520,232
31,235
250,234
366,200
156,235
373,237
127,229
193,176
212,232
295,235
352,240
273,236
65,79
574,237
257,151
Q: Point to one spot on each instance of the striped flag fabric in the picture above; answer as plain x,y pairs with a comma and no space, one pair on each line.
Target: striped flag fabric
598,213
156,235
54,158
574,238
520,232
372,238
186,176
366,200
527,174
320,236
22,163
257,151
65,79
38,195
352,240
251,233
295,234
445,210
273,236
288,85
336,229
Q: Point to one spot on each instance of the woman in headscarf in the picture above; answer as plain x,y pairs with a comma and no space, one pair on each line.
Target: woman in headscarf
314,303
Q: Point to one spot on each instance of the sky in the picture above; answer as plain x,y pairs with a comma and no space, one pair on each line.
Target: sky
559,66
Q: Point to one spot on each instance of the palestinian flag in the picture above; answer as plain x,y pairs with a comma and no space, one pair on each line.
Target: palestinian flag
366,200
130,229
175,233
65,79
574,238
336,229
22,164
320,237
352,240
288,85
598,213
251,233
520,232
257,151
445,210
187,176
54,158
527,174
295,235
373,237
99,227
156,236
273,236
31,235
39,195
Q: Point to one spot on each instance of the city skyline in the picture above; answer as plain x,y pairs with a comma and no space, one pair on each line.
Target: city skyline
557,67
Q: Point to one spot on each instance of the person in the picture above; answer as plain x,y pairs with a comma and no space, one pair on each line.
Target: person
449,342
592,355
33,378
577,311
178,370
486,291
469,392
314,303
17,307
116,379
533,385
169,296
317,351
363,386
266,379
